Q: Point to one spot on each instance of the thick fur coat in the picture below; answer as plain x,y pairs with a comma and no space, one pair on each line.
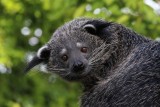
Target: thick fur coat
118,67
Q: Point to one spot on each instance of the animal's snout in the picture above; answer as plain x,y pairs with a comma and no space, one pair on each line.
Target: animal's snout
78,66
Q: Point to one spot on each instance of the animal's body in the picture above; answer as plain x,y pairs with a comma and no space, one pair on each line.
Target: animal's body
117,66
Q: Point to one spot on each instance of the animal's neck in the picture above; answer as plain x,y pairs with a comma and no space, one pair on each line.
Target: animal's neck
127,40
89,82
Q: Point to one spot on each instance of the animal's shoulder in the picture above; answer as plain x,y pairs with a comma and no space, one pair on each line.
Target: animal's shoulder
146,52
135,83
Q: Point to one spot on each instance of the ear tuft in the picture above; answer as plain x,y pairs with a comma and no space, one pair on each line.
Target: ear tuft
90,28
35,61
42,55
43,52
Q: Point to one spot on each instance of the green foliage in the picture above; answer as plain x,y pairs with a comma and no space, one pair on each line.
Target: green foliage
35,90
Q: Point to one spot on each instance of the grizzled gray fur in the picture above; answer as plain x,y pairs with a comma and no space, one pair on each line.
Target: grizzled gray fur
118,67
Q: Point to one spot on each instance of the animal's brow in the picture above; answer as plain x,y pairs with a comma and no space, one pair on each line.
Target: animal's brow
64,50
78,44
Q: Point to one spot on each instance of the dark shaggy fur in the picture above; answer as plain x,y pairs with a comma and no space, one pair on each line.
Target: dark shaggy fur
121,68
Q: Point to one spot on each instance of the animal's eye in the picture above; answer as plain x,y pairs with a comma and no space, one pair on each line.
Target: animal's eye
64,57
84,49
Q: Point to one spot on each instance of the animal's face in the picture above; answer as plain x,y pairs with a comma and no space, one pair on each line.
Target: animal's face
73,52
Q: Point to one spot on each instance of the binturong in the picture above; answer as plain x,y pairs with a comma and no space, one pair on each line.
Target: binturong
117,67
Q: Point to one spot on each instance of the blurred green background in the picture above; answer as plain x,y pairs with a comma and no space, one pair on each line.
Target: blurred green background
25,25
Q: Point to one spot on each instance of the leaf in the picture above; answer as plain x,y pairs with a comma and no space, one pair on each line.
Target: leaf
79,11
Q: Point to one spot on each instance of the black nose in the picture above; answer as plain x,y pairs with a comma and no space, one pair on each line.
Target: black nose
78,66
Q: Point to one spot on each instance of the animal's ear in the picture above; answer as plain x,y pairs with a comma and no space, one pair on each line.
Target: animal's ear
42,56
95,27
90,28
43,52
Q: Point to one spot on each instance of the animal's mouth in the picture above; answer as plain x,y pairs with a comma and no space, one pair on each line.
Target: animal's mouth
72,76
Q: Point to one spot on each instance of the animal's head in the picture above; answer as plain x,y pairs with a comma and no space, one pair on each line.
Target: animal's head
74,51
